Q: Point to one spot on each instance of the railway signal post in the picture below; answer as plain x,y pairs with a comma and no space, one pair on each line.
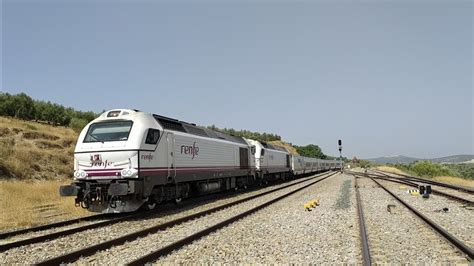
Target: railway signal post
340,153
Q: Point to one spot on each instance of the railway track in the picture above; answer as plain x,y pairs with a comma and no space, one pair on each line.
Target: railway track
450,238
362,228
70,231
5,235
431,182
90,250
15,239
416,185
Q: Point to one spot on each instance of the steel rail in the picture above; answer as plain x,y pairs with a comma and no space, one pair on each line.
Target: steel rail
412,184
117,218
75,255
188,240
52,225
362,228
452,239
70,231
122,217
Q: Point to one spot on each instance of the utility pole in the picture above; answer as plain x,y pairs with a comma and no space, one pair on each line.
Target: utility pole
340,153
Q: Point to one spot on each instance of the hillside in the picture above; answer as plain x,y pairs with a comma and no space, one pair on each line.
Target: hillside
285,145
400,159
454,159
30,150
35,159
393,159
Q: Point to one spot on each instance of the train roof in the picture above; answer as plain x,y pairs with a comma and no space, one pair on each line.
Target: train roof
273,147
169,123
181,126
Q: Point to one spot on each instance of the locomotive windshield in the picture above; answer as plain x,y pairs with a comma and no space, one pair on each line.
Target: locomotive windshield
108,131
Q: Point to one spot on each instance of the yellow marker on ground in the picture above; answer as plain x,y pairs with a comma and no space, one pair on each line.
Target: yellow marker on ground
311,204
314,203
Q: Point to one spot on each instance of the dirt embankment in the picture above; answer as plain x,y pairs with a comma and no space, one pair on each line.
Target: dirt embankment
34,151
35,159
285,145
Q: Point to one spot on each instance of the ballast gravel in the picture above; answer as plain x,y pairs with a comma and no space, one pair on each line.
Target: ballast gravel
48,231
396,235
143,246
38,252
286,233
458,220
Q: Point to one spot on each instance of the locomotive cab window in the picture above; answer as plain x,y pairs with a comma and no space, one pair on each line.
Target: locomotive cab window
152,136
108,131
263,152
252,149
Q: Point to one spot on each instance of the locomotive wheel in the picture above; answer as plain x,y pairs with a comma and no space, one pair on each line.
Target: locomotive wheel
150,204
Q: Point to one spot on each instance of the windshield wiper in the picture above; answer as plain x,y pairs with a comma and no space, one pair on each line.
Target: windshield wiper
95,138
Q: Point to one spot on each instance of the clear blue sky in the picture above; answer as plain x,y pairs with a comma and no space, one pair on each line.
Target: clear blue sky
388,77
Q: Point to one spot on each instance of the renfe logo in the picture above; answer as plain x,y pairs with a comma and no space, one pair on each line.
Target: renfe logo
193,150
147,157
96,160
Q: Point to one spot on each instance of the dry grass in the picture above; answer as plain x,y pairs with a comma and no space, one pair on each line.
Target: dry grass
455,181
35,159
285,145
20,203
30,150
390,170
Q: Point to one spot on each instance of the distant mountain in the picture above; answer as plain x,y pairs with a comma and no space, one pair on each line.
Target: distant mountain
393,159
454,159
406,160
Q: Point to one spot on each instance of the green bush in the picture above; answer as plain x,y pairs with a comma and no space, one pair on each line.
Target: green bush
24,107
77,124
429,169
247,134
19,106
311,150
465,170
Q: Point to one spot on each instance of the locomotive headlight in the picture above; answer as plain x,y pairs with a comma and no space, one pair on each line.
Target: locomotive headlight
80,174
129,172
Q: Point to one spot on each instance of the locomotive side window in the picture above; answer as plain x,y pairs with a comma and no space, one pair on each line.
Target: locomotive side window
152,136
252,149
263,152
109,131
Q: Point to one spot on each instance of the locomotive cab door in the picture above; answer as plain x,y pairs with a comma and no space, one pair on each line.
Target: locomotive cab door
171,156
244,158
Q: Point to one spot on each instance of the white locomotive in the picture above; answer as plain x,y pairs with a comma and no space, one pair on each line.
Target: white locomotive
127,159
